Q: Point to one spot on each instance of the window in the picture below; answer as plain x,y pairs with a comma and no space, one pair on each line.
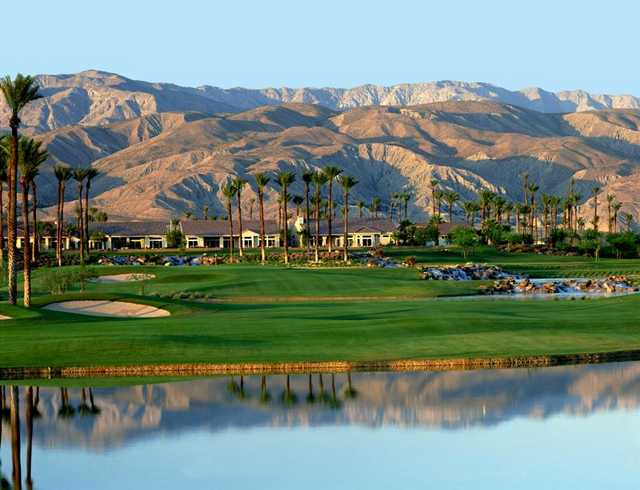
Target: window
367,241
155,243
247,242
212,242
192,243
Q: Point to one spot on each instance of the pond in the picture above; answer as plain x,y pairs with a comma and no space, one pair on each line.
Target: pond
571,427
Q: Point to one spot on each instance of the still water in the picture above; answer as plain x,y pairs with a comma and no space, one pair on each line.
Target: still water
564,427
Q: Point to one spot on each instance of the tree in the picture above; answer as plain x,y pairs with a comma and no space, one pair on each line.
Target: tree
616,209
628,220
285,179
347,182
63,174
485,199
307,179
533,188
262,180
15,435
470,209
595,191
434,187
17,93
5,155
361,205
319,180
92,173
451,197
404,197
239,184
375,206
610,201
331,173
229,191
31,156
175,237
466,239
297,201
79,174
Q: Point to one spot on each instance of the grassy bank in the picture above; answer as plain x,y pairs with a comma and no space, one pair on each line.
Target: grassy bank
258,314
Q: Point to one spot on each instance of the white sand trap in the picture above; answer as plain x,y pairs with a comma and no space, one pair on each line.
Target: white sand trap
108,308
124,278
5,317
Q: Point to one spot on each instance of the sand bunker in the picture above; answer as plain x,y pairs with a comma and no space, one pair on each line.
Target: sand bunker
123,278
4,317
108,308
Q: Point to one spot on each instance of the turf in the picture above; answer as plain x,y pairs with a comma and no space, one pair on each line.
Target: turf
278,314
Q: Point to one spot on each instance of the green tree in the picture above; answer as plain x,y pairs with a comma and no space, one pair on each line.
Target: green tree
79,175
92,173
347,182
262,180
229,192
18,92
319,180
239,184
451,197
285,179
375,206
466,239
331,173
307,179
31,156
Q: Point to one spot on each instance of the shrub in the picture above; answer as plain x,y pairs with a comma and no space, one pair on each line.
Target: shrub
57,281
466,239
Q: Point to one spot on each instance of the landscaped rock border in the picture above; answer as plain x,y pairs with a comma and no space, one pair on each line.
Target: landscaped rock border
174,370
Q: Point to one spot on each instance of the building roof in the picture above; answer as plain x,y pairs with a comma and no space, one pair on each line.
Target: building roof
221,227
130,228
356,225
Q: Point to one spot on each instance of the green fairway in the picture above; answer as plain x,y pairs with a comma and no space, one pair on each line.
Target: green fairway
249,313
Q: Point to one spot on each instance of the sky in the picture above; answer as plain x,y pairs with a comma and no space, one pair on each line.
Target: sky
556,45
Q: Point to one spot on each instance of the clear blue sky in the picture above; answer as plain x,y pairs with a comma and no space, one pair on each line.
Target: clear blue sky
553,44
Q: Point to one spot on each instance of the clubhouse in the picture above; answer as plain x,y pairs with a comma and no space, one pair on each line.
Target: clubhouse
363,232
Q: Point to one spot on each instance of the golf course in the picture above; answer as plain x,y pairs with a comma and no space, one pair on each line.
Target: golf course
244,314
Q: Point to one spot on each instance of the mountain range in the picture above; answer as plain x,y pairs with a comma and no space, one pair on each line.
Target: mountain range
163,150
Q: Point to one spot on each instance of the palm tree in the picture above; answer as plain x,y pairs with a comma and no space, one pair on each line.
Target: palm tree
434,186
610,200
525,187
262,180
508,211
297,201
92,173
451,197
63,174
470,208
29,416
307,179
360,205
616,209
79,174
331,172
499,203
375,206
595,191
17,94
404,197
252,202
486,198
15,436
533,188
285,179
628,220
347,182
31,157
229,191
239,183
319,179
5,154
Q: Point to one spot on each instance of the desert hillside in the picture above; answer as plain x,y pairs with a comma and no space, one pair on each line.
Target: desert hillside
165,163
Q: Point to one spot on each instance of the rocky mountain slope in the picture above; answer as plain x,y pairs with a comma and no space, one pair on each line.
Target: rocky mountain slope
94,98
165,164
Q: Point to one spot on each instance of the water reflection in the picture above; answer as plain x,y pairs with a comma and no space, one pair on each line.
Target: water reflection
105,419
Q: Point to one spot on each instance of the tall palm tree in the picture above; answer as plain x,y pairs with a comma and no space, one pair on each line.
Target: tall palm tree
610,200
63,174
32,155
92,173
5,155
229,191
347,182
319,180
375,206
616,209
307,179
331,172
595,191
297,201
285,179
434,187
79,174
17,94
469,208
29,416
404,197
486,198
239,184
499,203
262,180
360,205
628,220
533,188
451,197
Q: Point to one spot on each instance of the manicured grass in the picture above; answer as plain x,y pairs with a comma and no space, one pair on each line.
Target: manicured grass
323,331
279,314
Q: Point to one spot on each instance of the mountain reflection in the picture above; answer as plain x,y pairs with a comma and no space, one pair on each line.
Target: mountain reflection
106,417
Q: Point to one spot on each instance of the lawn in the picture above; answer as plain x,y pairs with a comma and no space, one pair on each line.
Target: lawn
278,314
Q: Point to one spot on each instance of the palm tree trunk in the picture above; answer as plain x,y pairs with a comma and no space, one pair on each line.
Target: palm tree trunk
317,243
346,226
1,228
61,224
330,237
15,438
12,225
81,223
285,225
240,245
230,231
36,234
85,222
263,255
26,245
307,214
